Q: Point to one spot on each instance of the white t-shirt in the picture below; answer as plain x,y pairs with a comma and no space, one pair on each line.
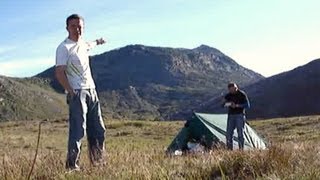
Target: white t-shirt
75,56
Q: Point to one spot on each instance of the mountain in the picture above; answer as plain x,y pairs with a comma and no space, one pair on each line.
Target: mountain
145,82
22,99
292,93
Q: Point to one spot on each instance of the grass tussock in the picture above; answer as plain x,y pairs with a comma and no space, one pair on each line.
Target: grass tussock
138,153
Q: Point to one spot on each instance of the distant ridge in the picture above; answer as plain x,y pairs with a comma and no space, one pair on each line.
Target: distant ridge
143,82
292,93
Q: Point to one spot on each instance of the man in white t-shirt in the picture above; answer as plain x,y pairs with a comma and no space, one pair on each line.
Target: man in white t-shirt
74,74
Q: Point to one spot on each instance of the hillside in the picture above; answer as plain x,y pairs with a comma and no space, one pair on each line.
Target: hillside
292,93
144,82
23,99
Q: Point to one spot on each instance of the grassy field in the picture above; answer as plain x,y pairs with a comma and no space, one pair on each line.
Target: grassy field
135,150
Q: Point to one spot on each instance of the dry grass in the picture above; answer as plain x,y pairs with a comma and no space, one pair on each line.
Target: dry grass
136,151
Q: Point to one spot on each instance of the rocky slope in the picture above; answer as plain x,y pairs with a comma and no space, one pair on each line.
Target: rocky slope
23,99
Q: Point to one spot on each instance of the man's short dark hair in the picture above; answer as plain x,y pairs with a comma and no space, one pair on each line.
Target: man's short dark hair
73,16
232,84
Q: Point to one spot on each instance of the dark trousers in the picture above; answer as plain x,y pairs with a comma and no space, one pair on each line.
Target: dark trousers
85,118
235,121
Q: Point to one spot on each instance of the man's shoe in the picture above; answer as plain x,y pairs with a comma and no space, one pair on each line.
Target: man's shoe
73,170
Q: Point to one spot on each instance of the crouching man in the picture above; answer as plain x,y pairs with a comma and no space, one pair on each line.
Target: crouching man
237,103
74,74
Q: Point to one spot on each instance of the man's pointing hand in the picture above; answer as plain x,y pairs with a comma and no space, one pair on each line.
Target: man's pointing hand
100,41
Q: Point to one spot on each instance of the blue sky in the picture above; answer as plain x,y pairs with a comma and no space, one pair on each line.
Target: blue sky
267,36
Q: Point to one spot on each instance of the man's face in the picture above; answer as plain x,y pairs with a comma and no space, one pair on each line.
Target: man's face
232,90
75,28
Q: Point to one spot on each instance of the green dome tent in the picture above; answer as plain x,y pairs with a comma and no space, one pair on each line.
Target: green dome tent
210,130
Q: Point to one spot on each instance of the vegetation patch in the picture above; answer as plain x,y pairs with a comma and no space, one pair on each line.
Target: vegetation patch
138,152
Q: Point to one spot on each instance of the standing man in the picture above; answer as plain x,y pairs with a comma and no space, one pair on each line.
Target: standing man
237,102
73,73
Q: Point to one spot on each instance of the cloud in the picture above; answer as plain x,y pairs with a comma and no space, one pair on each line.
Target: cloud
5,49
25,67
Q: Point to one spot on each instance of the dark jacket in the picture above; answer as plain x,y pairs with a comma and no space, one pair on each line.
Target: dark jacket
239,98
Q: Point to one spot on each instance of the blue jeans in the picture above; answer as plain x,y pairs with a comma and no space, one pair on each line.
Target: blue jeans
235,121
85,118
